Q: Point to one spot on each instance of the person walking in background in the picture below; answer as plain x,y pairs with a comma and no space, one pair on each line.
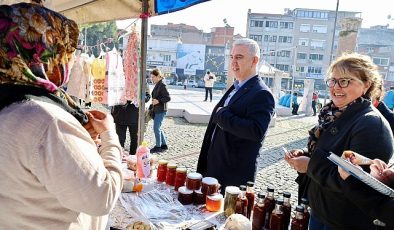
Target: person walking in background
294,104
389,98
53,176
209,79
315,99
239,122
126,117
185,82
347,122
160,98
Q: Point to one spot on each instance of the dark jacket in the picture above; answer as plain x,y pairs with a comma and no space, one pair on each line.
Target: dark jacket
387,113
127,114
240,130
160,93
363,130
375,204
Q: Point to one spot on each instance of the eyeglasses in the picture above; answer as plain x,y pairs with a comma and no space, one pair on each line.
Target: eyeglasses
342,82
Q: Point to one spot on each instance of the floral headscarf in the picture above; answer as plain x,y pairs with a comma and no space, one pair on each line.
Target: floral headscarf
36,45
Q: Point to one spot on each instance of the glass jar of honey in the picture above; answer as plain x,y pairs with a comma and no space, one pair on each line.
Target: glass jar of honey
193,181
162,171
180,177
230,199
214,202
171,172
198,197
185,196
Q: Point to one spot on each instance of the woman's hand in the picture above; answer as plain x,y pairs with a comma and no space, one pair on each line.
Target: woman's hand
299,163
99,122
381,171
342,173
155,101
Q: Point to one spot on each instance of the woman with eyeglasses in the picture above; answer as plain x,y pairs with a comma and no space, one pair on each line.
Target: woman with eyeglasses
347,122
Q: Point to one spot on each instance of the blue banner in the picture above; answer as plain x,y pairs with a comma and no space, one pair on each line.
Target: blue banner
168,6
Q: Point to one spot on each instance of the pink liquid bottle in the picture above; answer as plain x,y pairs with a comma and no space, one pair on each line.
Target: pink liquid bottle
143,160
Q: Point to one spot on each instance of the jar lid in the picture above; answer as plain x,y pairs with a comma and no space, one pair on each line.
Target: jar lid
198,191
184,190
181,169
286,194
215,196
194,175
163,162
232,190
209,180
242,187
250,183
300,208
171,165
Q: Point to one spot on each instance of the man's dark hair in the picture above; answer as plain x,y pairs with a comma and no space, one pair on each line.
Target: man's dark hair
208,72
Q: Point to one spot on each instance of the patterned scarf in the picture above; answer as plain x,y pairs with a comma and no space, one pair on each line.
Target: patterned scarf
328,114
36,47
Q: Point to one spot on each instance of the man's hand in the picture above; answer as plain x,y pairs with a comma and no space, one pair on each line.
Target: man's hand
381,171
299,163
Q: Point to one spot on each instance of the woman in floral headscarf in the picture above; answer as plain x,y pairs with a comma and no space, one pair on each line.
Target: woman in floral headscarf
347,122
53,177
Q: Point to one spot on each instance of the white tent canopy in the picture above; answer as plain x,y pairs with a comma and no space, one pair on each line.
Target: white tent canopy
90,11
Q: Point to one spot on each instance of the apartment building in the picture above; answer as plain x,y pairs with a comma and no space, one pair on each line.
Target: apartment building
378,43
301,38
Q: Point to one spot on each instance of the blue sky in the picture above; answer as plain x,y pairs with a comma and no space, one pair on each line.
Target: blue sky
211,14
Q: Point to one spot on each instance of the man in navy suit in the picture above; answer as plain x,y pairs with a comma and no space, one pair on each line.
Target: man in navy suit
239,122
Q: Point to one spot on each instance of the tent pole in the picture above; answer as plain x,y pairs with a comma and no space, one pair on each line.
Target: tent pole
142,73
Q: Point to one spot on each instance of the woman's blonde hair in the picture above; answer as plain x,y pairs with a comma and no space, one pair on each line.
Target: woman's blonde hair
157,73
360,66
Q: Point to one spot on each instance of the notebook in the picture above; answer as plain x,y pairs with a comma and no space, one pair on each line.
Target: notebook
361,175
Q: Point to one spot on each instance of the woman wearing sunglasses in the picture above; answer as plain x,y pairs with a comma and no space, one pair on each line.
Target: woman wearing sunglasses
347,122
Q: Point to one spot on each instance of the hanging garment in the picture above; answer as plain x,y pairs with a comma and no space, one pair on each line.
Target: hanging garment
115,79
98,73
132,66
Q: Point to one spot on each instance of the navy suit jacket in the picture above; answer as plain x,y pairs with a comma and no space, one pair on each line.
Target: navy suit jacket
239,130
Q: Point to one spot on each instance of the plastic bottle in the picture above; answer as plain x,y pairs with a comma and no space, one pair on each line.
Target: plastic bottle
143,160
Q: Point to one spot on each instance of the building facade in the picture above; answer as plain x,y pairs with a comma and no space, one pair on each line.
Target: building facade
298,41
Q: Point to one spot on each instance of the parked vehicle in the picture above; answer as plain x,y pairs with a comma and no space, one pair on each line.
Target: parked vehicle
219,85
192,83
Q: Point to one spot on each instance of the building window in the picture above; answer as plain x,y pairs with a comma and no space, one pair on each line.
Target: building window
312,14
282,67
317,44
271,24
316,57
381,61
256,23
285,39
167,58
305,28
270,38
301,55
283,53
321,29
286,25
303,42
300,69
257,38
314,69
